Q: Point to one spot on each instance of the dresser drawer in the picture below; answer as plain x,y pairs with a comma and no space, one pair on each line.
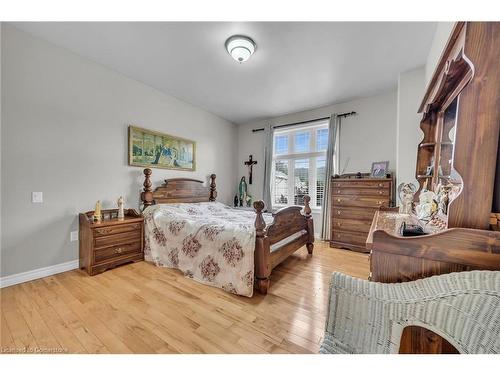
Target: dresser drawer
106,231
351,225
115,251
117,239
359,201
349,237
361,183
365,213
362,191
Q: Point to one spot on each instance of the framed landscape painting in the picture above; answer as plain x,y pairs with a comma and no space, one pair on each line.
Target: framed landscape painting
148,148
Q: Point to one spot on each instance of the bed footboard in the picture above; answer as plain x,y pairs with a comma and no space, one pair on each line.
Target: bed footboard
289,221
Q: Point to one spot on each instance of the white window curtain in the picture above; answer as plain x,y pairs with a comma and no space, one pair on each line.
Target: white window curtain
268,165
331,168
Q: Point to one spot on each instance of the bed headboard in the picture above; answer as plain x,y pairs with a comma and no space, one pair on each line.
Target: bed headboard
177,190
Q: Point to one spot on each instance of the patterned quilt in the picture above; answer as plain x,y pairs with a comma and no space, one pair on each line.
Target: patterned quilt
210,242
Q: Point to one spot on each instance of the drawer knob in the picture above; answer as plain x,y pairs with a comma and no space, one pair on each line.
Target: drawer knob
338,199
380,185
381,192
380,202
118,250
104,230
338,212
339,224
338,191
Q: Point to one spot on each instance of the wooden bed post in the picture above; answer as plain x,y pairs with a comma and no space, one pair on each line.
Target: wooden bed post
213,191
147,194
262,251
310,225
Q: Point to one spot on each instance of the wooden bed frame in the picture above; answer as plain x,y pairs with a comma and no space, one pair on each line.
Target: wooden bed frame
287,222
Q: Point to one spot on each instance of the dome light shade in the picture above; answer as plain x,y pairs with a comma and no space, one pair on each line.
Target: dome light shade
240,47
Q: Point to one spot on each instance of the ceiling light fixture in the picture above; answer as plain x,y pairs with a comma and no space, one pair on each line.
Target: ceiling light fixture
240,47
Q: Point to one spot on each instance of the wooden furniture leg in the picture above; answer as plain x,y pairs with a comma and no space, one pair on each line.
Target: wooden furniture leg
262,251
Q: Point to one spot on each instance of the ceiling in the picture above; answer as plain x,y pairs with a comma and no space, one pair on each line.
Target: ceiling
297,65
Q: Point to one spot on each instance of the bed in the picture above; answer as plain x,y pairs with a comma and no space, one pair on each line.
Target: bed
215,244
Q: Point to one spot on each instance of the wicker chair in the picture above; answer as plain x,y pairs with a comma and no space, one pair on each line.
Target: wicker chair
369,317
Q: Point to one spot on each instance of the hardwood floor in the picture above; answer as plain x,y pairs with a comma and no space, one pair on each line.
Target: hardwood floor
140,308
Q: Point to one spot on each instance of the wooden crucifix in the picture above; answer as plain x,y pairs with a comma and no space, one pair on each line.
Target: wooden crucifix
250,163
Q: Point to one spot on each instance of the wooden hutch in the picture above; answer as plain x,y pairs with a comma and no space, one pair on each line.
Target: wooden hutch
461,126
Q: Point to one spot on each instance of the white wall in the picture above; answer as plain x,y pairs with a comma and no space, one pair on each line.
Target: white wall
367,137
443,31
411,86
1,26
64,128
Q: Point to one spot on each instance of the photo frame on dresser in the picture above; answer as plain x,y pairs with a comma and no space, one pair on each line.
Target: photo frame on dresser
379,169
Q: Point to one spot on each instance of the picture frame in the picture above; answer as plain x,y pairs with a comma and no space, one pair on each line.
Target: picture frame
153,149
379,169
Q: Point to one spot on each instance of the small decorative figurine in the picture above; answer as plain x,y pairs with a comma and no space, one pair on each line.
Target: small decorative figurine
443,197
430,169
97,211
427,206
236,201
249,201
121,213
242,190
405,193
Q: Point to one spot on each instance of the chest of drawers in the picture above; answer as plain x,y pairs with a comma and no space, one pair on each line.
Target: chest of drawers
353,204
110,243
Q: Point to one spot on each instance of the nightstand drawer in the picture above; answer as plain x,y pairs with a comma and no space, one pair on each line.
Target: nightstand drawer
359,201
117,239
106,231
107,253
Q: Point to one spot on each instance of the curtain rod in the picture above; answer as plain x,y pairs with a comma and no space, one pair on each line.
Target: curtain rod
346,114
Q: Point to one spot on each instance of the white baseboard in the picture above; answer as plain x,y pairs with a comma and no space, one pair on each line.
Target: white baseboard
38,273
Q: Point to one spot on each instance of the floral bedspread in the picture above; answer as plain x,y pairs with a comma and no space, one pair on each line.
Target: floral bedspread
210,242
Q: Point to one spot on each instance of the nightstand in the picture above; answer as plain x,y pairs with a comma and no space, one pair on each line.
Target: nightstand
110,242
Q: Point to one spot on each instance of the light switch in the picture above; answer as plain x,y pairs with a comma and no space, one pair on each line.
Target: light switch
73,236
36,197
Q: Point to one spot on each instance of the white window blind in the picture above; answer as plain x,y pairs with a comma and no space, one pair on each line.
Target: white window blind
299,157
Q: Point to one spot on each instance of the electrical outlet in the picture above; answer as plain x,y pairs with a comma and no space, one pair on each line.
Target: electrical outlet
73,236
36,197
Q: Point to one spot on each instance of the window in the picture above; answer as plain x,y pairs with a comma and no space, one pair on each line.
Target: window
299,159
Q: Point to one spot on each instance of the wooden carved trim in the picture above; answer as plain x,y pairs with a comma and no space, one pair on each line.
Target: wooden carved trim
307,208
457,73
260,223
437,72
473,247
213,192
147,194
178,190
